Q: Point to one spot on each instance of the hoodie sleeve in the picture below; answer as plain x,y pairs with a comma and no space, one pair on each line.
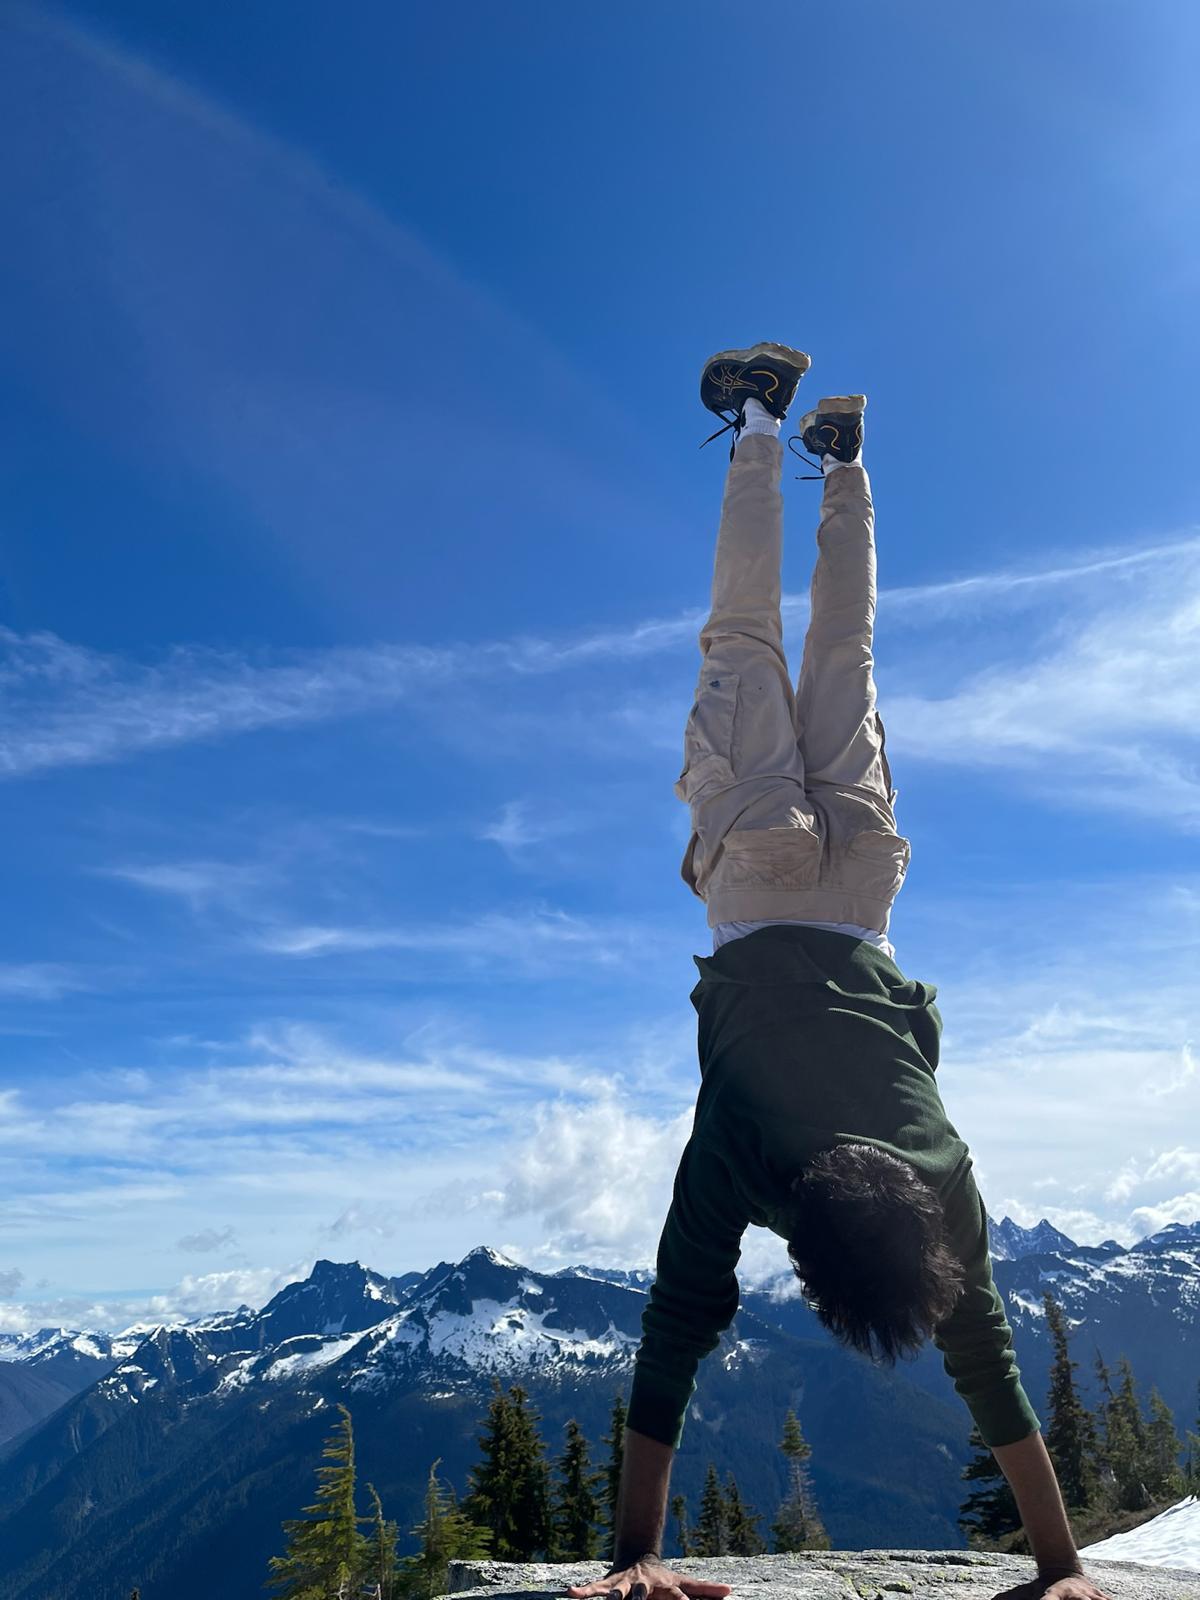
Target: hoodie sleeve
694,1296
976,1339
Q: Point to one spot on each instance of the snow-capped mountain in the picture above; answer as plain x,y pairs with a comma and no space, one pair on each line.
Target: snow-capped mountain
1008,1242
1142,1302
40,1370
20,1346
118,1474
483,1315
58,1344
638,1278
141,1471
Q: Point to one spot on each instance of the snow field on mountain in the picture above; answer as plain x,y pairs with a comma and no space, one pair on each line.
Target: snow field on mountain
1172,1539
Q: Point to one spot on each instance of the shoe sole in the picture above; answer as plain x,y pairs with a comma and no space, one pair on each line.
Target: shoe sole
782,354
778,352
835,405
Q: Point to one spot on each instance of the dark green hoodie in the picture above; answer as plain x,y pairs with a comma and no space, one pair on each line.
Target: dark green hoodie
810,1039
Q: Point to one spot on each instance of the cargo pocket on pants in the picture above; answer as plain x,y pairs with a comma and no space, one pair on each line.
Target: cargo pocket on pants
708,737
770,858
878,862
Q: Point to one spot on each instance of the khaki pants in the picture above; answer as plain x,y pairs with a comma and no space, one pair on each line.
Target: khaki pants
790,792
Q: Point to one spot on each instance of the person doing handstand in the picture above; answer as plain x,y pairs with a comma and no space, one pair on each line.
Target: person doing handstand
818,1113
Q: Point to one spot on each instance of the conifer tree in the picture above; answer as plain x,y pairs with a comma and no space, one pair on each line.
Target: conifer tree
742,1532
1127,1444
575,1501
489,1502
445,1534
682,1536
1192,1470
712,1525
1106,1472
380,1565
1164,1479
325,1548
615,1440
1070,1440
987,1513
510,1489
533,1479
797,1525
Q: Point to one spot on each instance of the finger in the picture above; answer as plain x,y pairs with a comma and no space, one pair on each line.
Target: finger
704,1591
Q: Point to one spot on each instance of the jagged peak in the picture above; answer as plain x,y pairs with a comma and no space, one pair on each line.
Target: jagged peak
487,1252
1010,1241
325,1268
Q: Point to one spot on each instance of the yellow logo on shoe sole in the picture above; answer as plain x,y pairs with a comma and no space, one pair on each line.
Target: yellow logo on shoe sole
728,379
835,433
762,372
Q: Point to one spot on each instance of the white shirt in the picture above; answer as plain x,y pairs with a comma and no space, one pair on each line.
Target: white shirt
725,931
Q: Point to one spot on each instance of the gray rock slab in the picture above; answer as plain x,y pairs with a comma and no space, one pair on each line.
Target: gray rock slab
835,1575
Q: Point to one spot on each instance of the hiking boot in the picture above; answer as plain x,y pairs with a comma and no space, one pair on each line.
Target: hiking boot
767,372
835,428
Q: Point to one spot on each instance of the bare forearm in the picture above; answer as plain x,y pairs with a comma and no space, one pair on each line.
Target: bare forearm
1030,1473
642,1497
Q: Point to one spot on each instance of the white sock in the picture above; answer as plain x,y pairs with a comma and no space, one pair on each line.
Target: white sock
828,463
758,420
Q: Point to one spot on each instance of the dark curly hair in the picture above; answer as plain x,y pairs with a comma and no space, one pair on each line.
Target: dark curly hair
869,1246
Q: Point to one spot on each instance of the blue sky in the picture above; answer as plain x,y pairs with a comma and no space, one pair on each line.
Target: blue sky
353,542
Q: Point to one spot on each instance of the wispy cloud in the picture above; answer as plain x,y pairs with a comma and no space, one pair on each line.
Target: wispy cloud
959,596
68,705
514,829
41,980
208,1239
365,1217
198,883
518,827
1105,713
539,938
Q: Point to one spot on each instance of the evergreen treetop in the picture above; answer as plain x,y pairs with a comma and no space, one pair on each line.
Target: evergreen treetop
325,1549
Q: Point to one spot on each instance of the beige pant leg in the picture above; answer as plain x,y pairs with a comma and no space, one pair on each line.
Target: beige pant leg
838,725
742,766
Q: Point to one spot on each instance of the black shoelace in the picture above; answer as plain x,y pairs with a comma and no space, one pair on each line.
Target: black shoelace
805,477
737,422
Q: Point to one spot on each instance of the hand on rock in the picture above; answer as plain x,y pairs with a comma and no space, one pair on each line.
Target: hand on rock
651,1580
1072,1587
